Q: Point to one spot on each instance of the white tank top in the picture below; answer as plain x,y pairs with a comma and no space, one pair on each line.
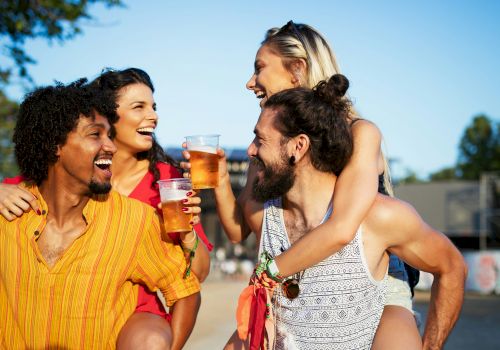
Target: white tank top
339,305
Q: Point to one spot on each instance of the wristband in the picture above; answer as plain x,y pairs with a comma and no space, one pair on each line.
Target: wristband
190,254
273,271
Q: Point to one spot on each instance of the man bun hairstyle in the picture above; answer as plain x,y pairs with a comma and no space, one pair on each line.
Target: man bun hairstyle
323,115
333,89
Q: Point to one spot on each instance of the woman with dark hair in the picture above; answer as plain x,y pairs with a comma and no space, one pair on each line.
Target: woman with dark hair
138,163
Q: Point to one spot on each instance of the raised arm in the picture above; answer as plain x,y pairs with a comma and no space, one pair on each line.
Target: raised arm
200,261
355,192
238,217
228,209
415,242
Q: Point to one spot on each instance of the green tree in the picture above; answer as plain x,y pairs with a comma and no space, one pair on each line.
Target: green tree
479,149
8,112
444,174
411,177
29,19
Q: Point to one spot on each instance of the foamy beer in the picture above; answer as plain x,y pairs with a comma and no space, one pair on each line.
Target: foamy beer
172,193
204,160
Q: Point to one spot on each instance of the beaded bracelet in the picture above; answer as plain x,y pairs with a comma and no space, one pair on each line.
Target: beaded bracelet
190,254
268,265
273,272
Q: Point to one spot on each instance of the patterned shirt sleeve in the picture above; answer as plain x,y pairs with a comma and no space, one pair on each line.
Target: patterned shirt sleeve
161,265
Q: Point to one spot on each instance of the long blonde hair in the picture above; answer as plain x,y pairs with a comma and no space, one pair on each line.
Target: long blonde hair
297,41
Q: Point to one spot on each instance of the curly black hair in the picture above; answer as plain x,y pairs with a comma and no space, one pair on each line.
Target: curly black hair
46,117
112,81
322,114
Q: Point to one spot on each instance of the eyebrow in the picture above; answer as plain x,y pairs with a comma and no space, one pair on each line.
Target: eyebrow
257,132
95,125
257,62
141,102
138,101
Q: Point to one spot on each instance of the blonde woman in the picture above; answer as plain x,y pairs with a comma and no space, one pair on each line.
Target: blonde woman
297,55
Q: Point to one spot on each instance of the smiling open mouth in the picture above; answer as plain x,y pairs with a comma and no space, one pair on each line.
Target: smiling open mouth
146,131
103,164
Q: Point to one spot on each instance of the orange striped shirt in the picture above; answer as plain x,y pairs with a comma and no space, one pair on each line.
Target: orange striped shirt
83,301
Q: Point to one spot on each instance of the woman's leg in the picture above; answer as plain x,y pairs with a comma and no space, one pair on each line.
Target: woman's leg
145,330
397,330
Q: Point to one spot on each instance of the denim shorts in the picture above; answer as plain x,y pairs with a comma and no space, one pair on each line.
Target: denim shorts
398,289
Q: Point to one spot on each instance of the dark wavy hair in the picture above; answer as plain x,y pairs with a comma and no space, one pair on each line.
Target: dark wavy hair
46,117
112,81
322,114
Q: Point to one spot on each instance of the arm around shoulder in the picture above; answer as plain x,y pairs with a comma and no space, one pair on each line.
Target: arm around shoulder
355,191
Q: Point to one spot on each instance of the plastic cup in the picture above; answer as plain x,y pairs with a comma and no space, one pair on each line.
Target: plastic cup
204,160
172,193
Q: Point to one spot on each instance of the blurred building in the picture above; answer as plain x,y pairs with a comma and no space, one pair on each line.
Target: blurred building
466,211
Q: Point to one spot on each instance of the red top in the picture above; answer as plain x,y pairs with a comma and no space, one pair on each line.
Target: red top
13,180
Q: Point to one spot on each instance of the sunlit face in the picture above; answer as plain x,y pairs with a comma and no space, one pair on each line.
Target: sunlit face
270,75
86,157
268,151
137,118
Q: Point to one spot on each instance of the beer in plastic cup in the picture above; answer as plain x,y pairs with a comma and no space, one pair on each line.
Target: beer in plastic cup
204,160
172,193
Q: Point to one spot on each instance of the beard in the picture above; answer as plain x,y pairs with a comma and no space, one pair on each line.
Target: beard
277,180
99,188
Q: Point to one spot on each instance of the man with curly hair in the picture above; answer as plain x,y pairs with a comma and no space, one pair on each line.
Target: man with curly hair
69,272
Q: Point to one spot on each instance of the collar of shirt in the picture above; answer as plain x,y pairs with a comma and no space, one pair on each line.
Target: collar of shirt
89,211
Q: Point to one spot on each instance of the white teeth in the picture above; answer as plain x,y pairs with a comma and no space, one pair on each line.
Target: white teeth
151,130
103,162
260,95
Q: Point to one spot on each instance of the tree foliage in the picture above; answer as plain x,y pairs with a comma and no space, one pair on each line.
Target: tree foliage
479,151
410,177
444,174
29,19
8,112
479,148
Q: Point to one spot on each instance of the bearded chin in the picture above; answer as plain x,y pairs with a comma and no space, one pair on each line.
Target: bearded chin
275,183
99,188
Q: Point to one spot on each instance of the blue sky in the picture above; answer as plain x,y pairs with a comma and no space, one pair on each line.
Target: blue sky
419,70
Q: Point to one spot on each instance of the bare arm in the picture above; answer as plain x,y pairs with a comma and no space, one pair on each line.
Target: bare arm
233,213
184,313
355,192
15,200
228,209
424,248
200,263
